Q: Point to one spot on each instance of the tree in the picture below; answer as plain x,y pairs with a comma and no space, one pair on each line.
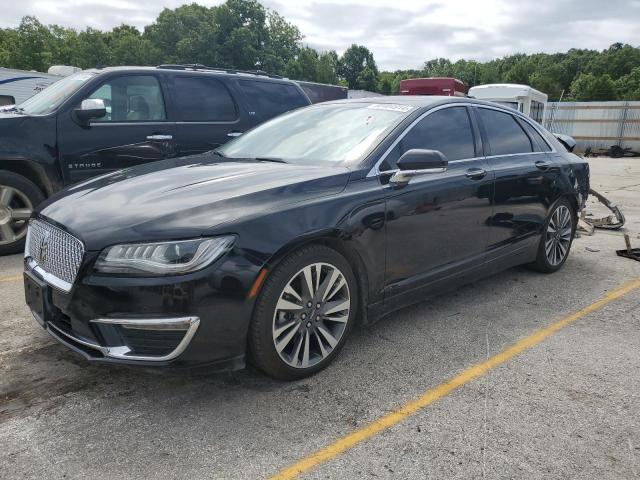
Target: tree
282,44
628,86
589,87
180,33
327,71
355,60
304,66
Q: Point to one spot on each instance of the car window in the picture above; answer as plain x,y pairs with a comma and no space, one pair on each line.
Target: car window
504,133
447,130
7,100
135,98
201,99
269,99
539,143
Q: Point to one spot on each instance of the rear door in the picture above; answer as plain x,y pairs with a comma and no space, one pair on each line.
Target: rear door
525,176
206,112
135,129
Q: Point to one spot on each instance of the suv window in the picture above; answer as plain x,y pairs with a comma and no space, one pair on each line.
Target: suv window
135,98
504,133
447,130
269,99
200,99
539,143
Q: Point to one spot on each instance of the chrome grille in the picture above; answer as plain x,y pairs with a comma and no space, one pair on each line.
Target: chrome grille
55,252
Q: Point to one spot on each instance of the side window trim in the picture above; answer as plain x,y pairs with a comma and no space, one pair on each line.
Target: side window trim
375,171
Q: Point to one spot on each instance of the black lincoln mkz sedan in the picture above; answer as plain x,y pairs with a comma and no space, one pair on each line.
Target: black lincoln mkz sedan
272,247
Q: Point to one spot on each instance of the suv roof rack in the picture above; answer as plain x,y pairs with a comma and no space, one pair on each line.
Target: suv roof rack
199,66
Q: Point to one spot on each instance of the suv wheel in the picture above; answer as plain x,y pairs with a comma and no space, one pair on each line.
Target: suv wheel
304,314
18,197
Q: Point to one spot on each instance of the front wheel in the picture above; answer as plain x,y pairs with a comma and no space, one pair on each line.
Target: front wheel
304,313
556,239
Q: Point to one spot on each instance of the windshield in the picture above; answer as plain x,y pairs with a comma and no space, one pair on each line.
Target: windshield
332,133
49,99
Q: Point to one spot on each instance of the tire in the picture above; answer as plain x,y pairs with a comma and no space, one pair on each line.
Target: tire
283,318
555,243
18,197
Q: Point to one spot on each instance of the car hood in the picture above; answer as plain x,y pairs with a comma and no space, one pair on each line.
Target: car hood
183,198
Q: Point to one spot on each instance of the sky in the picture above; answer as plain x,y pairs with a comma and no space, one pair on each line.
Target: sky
400,34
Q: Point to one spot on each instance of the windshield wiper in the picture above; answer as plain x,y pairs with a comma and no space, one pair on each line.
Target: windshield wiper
270,159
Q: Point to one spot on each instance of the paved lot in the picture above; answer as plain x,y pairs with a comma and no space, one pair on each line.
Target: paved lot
569,407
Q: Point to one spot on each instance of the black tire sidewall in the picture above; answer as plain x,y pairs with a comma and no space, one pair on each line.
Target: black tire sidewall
262,352
31,191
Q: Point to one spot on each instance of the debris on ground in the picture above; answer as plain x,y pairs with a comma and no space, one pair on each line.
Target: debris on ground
591,249
632,253
610,222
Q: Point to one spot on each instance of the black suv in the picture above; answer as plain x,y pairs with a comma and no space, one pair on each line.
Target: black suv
101,120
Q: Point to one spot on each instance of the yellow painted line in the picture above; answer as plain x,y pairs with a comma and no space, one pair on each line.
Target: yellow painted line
360,435
13,278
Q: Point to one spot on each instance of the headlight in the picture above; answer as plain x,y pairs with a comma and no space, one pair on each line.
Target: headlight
163,258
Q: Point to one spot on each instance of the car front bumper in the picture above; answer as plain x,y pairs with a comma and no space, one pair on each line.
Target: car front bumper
200,319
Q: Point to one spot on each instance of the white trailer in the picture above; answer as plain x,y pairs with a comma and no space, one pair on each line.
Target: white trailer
519,97
16,86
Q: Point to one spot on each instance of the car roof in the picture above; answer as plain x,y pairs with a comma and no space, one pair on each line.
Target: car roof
199,70
420,101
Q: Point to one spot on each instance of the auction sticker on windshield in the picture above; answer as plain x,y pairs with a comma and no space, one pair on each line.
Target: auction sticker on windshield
391,107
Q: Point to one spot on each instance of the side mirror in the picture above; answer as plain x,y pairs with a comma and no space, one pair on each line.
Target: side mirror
416,162
567,142
89,109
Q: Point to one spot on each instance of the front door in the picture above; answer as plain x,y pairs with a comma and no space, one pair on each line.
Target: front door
135,129
438,224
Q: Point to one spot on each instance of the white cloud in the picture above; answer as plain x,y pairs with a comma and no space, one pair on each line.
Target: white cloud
401,35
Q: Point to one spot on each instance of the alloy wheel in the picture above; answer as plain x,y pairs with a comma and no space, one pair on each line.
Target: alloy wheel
558,236
311,315
15,210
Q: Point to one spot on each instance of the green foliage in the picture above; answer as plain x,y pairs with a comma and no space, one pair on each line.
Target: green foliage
588,86
358,68
244,34
628,86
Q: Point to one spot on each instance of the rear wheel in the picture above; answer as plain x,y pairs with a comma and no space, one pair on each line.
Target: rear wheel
304,313
557,238
18,197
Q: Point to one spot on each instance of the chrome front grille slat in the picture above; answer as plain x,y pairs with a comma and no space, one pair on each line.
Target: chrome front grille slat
54,253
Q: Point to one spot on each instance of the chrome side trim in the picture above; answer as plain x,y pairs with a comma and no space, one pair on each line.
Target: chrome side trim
121,352
95,346
375,169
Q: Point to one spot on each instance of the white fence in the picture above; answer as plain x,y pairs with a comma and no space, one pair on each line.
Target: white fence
596,124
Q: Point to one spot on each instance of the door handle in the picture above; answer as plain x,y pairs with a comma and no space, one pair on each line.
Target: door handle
543,164
234,134
476,173
156,138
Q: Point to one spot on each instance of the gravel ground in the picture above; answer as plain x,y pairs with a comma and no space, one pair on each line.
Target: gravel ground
567,408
